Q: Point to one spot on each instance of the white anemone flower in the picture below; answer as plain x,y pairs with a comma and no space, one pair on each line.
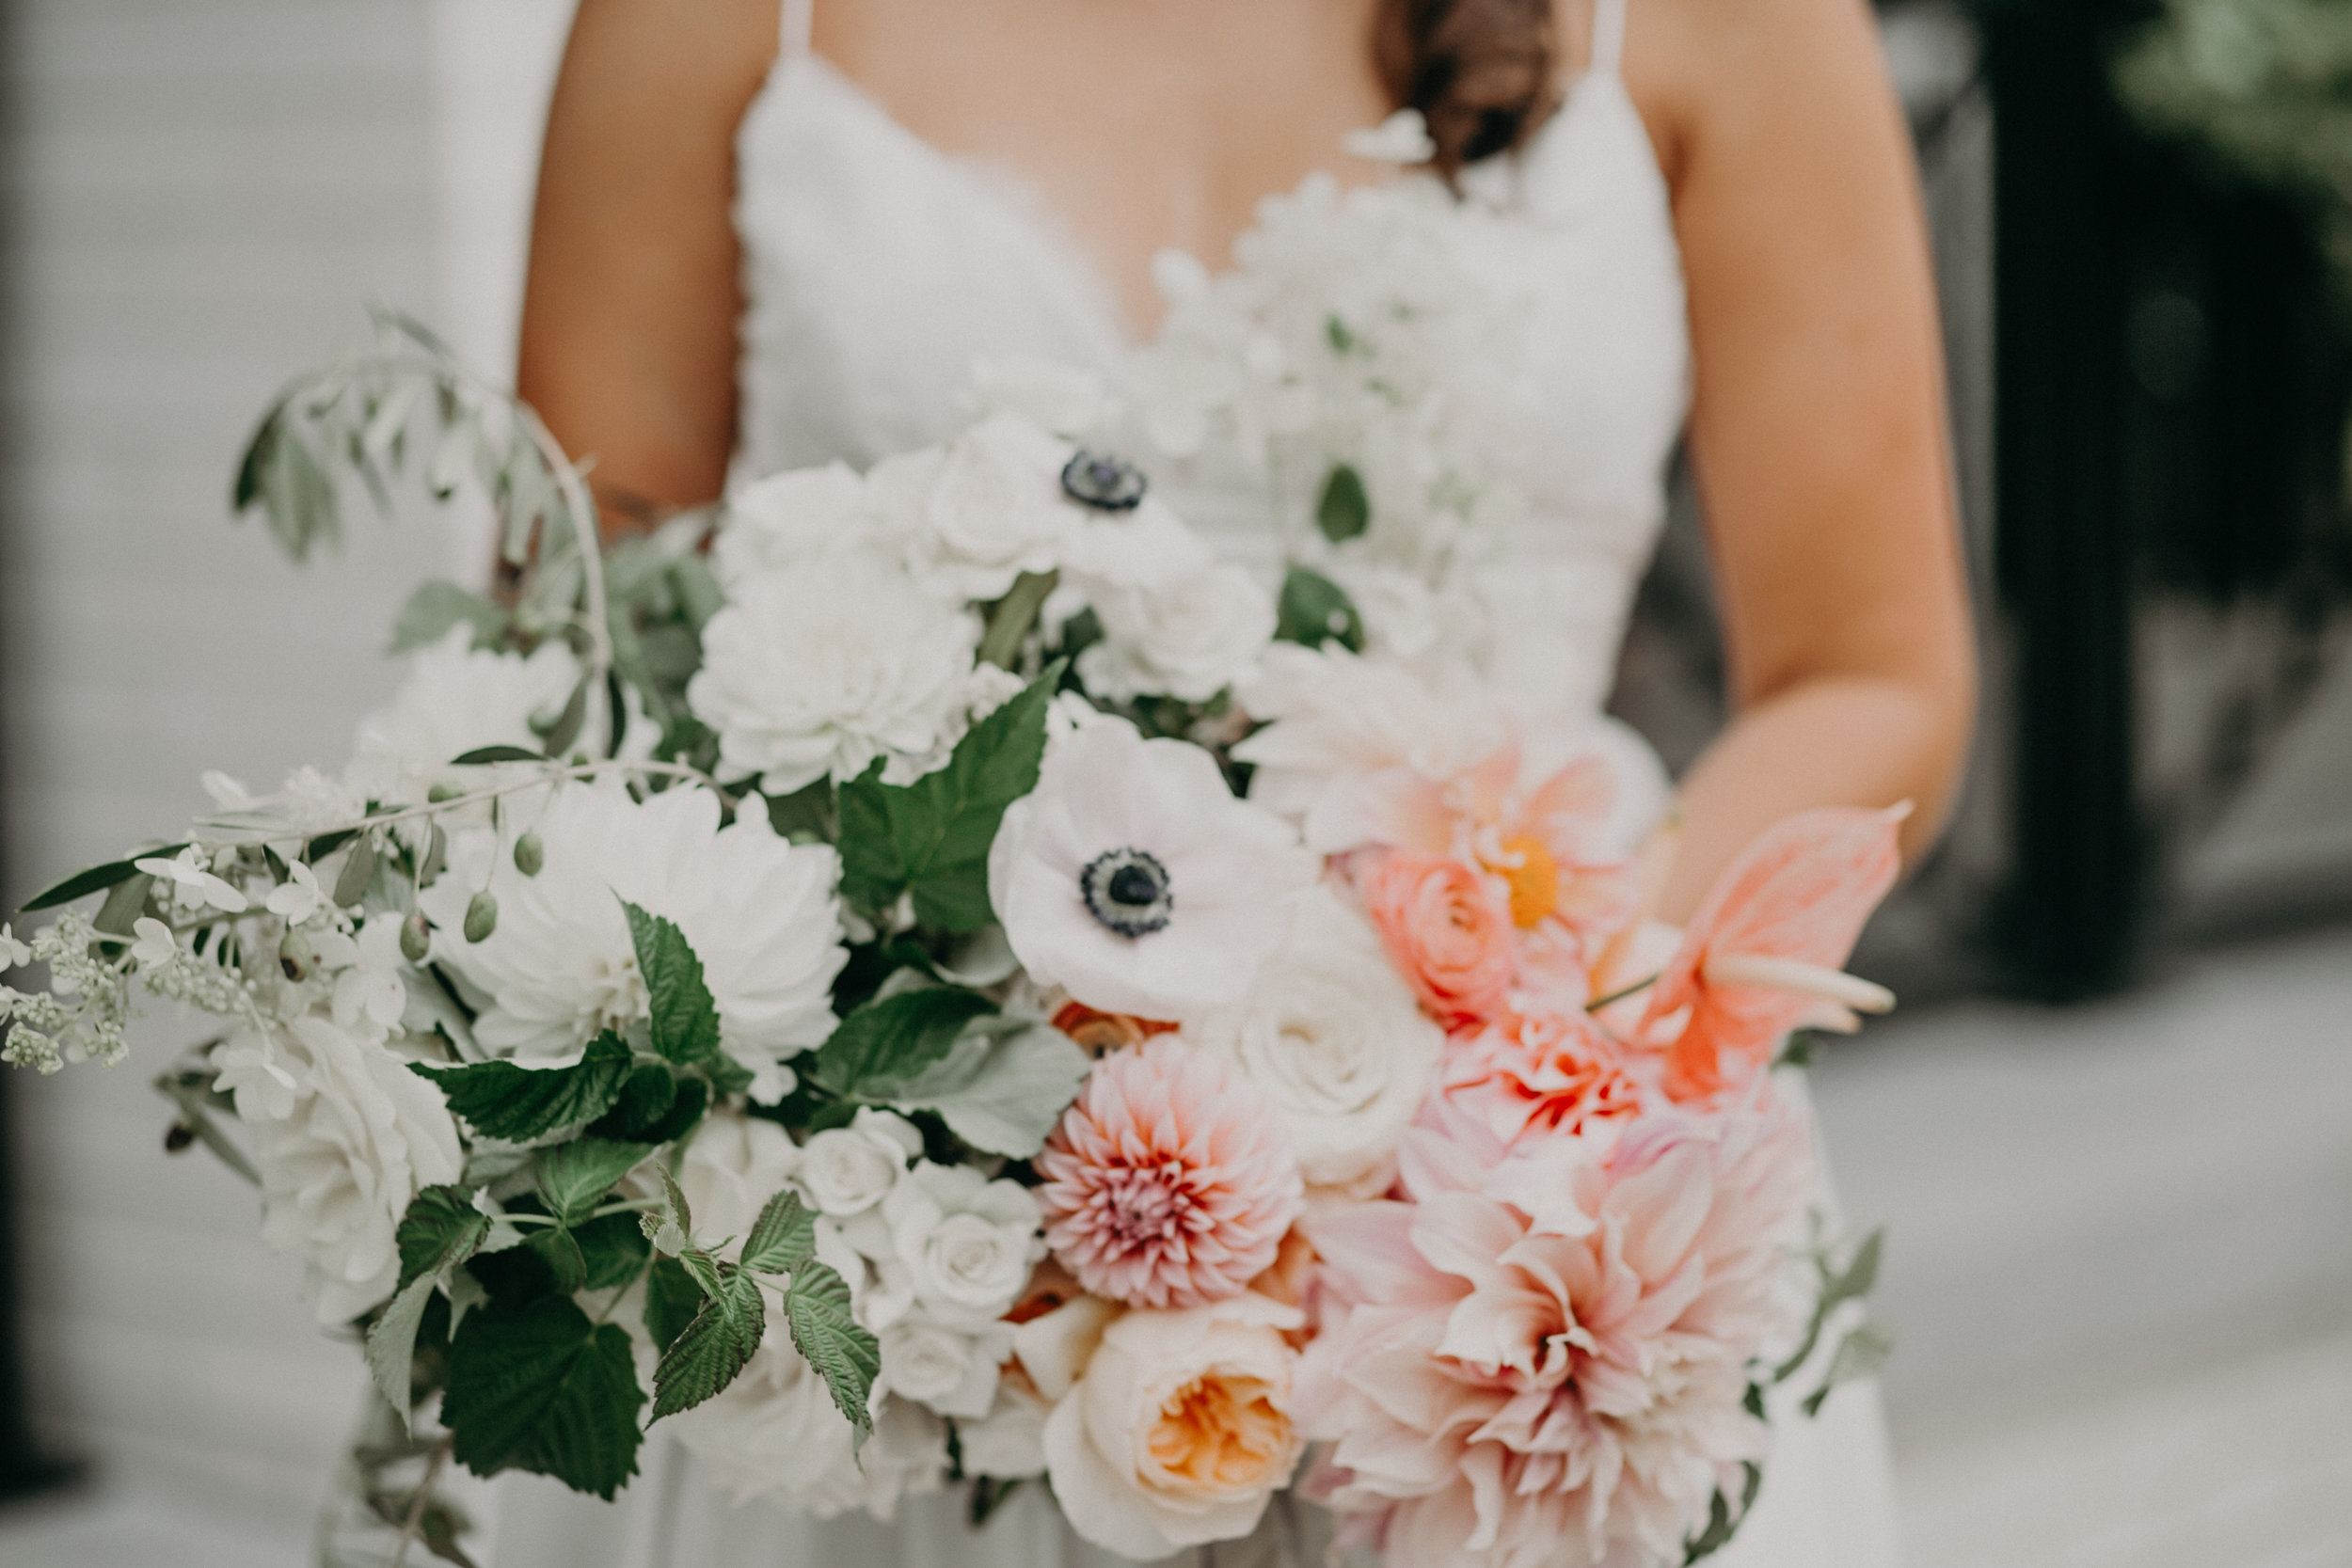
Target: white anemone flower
758,911
1132,878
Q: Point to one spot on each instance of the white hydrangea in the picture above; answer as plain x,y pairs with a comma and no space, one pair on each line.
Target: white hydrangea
759,911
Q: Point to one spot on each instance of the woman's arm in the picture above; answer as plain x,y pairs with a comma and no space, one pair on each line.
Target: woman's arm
1817,426
629,313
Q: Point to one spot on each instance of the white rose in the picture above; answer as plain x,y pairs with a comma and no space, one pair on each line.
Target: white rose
1007,1443
1336,1038
1190,640
735,1165
847,1170
967,1243
980,510
1180,1430
774,1433
816,670
344,1135
953,1371
786,518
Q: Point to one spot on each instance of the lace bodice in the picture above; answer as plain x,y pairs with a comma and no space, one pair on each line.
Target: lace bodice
878,269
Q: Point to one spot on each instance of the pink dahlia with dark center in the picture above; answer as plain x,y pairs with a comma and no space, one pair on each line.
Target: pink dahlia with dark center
1170,1181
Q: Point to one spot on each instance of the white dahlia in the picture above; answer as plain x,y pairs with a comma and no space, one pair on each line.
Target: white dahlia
1133,879
818,668
458,699
759,912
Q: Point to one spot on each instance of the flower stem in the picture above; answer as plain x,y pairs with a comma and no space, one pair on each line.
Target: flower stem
1617,996
415,1505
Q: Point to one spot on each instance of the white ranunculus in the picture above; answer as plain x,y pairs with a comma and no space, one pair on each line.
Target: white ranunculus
735,1165
949,1370
1336,1038
758,911
847,1170
1189,639
1009,1442
780,522
979,510
458,699
1133,879
774,1433
967,1243
1180,1429
344,1135
816,670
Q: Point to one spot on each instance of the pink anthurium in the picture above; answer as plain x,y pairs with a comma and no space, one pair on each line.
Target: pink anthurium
1764,952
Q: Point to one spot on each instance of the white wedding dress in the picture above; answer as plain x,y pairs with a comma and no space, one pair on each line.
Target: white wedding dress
877,269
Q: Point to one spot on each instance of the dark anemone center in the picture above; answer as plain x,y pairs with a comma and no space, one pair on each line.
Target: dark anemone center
1103,482
1128,891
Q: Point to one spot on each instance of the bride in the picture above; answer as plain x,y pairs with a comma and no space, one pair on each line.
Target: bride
774,236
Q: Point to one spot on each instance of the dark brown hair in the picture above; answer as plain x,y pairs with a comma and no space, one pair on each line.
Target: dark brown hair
1482,72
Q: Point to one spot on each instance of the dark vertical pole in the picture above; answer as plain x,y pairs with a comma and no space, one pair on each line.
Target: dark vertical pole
2072,913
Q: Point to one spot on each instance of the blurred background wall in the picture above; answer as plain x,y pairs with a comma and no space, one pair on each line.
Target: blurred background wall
2149,381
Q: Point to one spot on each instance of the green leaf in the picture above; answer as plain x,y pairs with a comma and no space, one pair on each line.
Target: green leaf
567,1266
643,1104
671,1300
482,756
845,1356
518,1105
1851,1283
1861,1353
1722,1522
436,607
613,1251
351,883
246,489
782,1239
882,1045
574,1176
710,1350
119,911
685,1019
440,1230
1000,1089
569,722
537,1387
1344,509
96,880
1314,610
933,837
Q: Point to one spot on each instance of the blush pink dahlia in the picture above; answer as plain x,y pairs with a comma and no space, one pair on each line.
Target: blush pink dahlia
1561,1390
1170,1181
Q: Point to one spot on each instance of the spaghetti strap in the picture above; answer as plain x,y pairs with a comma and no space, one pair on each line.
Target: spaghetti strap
1607,35
795,24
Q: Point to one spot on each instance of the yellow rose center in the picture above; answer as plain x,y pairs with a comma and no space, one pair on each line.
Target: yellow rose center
1532,876
1220,1433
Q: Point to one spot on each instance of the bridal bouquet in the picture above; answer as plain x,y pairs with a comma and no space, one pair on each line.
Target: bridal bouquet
935,978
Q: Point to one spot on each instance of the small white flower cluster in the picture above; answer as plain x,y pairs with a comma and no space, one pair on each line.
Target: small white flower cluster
81,1015
934,1257
852,618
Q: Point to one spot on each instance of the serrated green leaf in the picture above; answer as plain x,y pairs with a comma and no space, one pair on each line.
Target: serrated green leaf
96,880
931,837
613,1251
536,1387
567,1266
518,1105
439,1230
573,1178
1313,611
1344,511
829,1339
437,605
671,1300
1000,1089
645,1100
685,1020
710,1350
782,1239
882,1045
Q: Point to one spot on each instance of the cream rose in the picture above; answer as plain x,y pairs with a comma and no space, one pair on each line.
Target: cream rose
1189,639
847,1170
344,1135
1180,1430
1009,1442
1335,1039
951,1370
980,510
966,1243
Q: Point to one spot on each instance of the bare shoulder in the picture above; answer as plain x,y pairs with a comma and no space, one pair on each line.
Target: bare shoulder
1711,76
700,62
